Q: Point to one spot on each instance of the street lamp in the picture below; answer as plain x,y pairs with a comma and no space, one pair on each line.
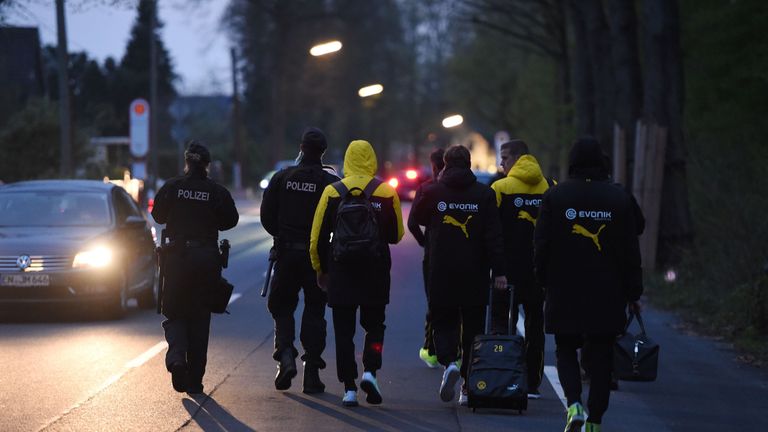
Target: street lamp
325,48
370,90
453,121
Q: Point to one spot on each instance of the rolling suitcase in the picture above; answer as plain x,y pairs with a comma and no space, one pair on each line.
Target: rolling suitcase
497,376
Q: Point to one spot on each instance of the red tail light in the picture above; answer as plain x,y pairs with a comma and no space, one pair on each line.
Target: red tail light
150,204
393,182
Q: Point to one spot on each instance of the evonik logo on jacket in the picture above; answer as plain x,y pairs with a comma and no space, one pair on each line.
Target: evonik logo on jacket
465,207
596,215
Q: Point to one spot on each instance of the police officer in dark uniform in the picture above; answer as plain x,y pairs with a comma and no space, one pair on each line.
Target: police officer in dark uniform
194,209
287,210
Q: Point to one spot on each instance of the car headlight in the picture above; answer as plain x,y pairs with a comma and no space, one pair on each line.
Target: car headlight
97,257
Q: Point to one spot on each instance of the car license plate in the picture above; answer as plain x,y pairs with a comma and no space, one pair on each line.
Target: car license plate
25,280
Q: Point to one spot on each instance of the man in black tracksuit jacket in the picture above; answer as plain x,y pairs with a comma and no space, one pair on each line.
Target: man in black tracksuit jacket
287,209
588,259
194,209
465,243
427,351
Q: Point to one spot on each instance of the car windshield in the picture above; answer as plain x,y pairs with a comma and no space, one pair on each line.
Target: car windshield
54,208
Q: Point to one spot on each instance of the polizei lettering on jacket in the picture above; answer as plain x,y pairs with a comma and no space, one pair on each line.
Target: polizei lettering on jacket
465,207
193,195
300,186
598,215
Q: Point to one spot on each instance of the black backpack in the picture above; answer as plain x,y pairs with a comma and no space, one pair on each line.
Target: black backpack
356,235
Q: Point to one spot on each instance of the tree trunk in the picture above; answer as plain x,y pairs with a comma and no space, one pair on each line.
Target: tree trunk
582,75
600,61
626,66
663,106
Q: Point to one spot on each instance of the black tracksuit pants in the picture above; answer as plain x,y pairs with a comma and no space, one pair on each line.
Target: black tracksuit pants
188,344
344,326
293,271
597,361
454,325
531,298
429,343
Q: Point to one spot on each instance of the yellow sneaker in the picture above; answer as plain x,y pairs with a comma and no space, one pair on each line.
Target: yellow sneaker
429,360
575,418
592,427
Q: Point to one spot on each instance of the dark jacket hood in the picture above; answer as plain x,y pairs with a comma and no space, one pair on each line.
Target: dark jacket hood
457,177
586,160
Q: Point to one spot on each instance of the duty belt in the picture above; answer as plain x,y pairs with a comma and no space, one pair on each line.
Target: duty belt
200,243
294,246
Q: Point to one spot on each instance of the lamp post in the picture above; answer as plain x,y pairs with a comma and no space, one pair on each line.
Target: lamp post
325,48
453,121
370,90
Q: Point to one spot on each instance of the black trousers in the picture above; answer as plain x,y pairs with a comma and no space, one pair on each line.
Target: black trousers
454,325
188,344
429,343
344,325
597,361
293,272
531,298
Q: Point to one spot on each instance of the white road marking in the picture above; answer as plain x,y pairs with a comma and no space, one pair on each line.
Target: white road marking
140,360
234,297
551,373
147,355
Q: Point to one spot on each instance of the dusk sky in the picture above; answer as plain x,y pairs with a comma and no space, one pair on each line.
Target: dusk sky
192,33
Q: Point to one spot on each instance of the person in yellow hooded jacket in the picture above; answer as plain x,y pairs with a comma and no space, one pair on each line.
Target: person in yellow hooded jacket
518,197
362,281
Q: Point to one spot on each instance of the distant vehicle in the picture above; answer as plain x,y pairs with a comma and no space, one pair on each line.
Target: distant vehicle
487,178
73,242
408,180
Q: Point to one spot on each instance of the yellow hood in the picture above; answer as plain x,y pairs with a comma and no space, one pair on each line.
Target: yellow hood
360,159
527,170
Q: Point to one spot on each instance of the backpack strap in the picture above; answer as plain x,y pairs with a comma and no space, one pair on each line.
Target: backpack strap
370,188
551,181
341,188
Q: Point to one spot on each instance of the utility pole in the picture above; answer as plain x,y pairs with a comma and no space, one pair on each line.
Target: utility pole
237,167
65,169
153,105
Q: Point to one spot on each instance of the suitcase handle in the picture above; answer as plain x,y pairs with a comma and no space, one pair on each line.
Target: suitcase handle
489,309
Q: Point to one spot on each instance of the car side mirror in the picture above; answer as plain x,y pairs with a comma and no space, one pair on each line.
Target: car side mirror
134,222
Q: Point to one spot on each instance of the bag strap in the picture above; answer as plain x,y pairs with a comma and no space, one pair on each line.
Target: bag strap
341,188
371,187
632,315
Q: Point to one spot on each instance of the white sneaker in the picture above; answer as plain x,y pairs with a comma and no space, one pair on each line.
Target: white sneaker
463,398
349,399
448,386
371,387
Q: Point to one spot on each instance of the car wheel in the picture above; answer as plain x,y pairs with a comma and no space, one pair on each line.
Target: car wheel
147,299
117,305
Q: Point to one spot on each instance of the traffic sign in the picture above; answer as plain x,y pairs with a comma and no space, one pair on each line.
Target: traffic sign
139,130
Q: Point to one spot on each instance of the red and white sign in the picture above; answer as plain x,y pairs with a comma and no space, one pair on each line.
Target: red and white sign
139,130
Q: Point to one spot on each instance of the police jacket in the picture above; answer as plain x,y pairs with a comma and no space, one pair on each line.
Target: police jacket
518,197
357,285
289,203
587,256
194,209
464,241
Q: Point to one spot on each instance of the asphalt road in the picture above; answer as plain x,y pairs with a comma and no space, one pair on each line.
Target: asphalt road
65,371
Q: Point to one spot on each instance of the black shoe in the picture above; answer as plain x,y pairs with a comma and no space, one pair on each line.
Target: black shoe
286,370
195,389
179,377
312,383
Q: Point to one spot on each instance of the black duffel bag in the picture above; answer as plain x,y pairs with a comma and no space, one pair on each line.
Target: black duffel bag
218,295
635,357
